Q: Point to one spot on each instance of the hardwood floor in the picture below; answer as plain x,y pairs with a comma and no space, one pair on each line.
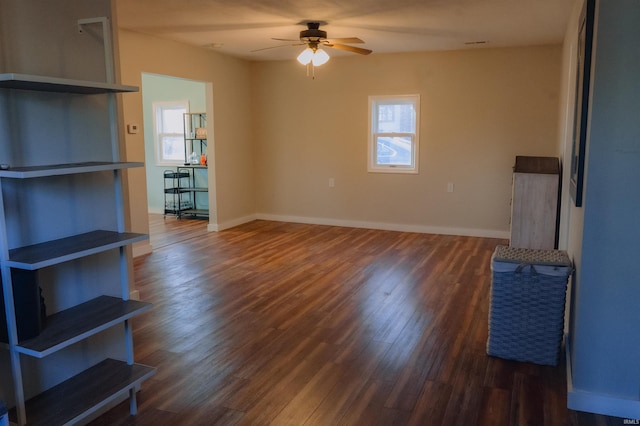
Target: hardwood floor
280,323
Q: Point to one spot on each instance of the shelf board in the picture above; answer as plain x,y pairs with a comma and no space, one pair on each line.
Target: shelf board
65,169
195,189
175,191
85,394
61,85
175,175
52,252
79,322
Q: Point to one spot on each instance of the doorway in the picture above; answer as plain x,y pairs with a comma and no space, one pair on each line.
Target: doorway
168,90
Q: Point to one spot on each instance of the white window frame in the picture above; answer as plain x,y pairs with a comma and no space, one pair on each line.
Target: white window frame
158,134
373,166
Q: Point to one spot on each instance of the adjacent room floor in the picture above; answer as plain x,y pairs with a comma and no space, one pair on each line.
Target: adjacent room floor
280,323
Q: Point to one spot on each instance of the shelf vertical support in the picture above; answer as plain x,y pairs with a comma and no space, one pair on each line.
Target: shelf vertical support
118,182
133,401
10,313
110,72
107,43
16,370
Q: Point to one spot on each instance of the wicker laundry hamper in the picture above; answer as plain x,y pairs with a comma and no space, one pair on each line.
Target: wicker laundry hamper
527,303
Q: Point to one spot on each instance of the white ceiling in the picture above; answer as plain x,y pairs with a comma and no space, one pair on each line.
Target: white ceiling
236,27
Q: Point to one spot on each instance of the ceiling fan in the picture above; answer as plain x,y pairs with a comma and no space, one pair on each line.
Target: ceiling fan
315,38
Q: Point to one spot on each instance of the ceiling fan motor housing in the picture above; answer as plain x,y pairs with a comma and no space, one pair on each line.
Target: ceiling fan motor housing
313,33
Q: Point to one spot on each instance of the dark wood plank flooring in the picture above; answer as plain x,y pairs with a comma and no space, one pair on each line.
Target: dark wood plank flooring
291,324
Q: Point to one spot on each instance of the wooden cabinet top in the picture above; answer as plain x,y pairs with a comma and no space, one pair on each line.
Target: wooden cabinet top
540,165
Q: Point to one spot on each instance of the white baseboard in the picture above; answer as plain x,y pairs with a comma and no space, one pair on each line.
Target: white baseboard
422,229
212,227
156,210
591,402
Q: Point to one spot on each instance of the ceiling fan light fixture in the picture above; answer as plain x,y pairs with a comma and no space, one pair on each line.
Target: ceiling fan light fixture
316,57
305,56
320,57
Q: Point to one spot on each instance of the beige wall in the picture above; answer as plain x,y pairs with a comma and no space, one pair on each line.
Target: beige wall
280,136
479,109
231,170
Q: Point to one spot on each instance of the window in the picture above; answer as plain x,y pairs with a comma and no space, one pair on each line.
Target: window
169,131
393,137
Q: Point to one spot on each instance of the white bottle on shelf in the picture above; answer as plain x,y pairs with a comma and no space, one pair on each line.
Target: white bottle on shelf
194,158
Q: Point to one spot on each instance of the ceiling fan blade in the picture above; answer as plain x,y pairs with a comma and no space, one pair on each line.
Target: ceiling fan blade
284,39
352,49
349,40
275,47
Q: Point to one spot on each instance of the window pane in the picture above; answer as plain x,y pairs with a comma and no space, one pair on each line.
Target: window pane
172,120
385,113
396,117
173,148
394,151
393,135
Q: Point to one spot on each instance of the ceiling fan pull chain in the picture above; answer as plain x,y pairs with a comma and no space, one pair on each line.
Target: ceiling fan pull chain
313,70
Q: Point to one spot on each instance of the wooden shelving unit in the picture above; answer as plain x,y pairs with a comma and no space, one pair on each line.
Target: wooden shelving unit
103,381
79,322
64,249
86,393
64,169
42,83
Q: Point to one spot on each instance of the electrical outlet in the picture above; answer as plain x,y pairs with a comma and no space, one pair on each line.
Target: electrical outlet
450,187
332,182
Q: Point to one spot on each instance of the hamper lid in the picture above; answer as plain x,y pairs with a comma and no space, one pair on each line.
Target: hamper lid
531,256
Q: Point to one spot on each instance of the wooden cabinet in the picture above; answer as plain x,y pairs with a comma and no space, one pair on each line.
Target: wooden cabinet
534,202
